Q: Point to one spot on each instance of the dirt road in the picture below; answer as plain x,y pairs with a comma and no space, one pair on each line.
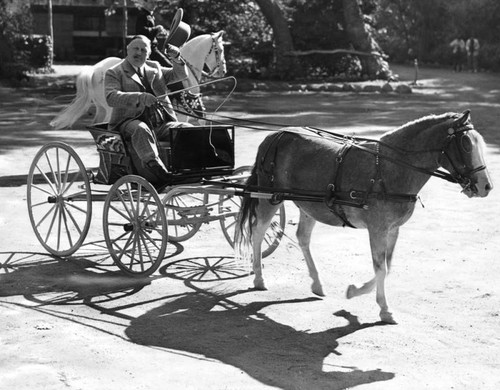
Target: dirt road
78,323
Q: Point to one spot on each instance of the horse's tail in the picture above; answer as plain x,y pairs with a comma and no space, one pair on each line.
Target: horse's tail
80,104
245,222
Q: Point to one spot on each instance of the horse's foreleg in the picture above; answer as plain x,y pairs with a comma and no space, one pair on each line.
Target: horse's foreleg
354,291
304,230
382,247
392,238
381,244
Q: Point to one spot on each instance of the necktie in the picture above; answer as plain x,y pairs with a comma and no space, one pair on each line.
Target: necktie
144,80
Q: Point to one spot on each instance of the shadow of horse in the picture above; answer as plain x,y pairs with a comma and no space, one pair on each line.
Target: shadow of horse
210,324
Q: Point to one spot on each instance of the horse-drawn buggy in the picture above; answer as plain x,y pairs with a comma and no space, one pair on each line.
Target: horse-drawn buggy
138,222
337,180
334,179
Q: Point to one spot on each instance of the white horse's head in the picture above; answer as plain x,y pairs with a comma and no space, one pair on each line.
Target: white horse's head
205,52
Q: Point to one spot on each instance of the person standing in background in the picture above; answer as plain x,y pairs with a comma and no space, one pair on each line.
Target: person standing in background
457,53
472,48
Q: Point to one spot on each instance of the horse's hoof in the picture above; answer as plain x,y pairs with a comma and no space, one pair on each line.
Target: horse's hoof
387,318
350,291
318,290
259,285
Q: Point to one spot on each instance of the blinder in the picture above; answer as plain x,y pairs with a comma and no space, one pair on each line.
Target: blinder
462,167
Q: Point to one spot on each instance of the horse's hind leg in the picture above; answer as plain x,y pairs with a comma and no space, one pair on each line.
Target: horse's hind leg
264,214
304,230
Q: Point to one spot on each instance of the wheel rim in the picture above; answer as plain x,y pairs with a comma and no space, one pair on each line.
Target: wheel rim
229,207
134,226
59,199
183,213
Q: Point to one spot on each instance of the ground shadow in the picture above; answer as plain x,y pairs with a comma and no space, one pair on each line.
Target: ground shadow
47,280
211,324
205,269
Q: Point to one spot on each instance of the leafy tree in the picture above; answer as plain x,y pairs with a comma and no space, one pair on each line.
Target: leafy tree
13,22
249,38
428,26
361,37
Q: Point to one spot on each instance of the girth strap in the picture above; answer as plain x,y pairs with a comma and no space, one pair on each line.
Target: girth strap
331,197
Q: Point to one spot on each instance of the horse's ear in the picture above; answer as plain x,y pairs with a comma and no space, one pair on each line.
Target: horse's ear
220,33
464,118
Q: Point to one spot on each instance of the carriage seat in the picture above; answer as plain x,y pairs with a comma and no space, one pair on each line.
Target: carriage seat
114,160
191,154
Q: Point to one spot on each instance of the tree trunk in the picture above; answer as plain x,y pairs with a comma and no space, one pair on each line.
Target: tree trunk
286,66
361,39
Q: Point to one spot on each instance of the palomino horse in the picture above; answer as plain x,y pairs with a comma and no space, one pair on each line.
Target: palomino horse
204,51
361,183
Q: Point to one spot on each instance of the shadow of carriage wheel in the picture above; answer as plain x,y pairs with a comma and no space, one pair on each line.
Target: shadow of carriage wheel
205,269
48,280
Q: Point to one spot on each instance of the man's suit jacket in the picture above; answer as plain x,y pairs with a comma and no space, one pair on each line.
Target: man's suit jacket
123,88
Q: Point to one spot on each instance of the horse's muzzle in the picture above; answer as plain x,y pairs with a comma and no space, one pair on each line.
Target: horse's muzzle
479,186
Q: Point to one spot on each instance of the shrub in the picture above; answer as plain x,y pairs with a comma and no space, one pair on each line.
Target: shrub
34,51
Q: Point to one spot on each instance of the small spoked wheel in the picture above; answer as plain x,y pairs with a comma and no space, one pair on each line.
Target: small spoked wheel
184,212
229,208
134,225
59,199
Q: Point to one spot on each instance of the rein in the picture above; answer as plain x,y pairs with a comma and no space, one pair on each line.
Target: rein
354,141
455,177
452,132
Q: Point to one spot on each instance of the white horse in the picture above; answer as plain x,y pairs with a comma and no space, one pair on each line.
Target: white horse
204,51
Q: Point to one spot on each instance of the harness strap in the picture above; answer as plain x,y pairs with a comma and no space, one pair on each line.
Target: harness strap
331,198
272,148
384,196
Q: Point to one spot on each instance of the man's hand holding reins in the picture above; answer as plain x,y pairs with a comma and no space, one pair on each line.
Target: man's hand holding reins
147,99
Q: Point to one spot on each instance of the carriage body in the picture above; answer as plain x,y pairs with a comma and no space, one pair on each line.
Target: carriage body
137,220
191,154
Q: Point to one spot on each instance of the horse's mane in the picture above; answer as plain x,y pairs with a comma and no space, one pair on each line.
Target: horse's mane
192,46
412,128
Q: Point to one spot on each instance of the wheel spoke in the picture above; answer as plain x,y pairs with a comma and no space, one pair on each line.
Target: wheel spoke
65,219
46,215
75,223
49,182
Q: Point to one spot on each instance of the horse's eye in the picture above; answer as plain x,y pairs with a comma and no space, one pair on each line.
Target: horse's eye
466,143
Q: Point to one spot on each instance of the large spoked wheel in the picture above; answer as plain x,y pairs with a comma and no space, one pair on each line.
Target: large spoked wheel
59,199
135,226
229,207
184,212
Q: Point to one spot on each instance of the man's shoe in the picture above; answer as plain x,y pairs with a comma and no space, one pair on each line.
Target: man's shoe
163,176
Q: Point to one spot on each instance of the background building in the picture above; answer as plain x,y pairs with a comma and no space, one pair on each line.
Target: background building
82,31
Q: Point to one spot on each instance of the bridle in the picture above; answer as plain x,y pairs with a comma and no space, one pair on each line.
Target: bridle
458,138
192,102
219,62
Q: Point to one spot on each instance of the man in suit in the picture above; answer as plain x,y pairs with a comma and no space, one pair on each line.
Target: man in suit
136,90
